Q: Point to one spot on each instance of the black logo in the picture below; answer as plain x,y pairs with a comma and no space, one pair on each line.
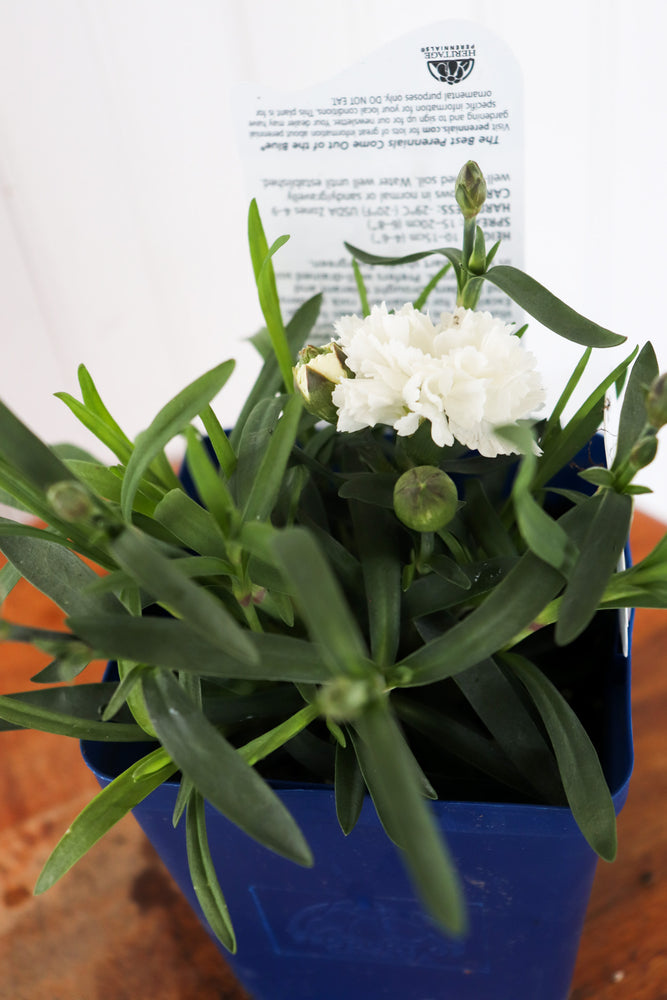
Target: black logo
450,63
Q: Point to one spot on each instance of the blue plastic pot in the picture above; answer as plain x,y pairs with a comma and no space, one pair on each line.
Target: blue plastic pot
352,928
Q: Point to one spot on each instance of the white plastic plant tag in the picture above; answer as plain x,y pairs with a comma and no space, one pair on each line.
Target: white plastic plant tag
371,158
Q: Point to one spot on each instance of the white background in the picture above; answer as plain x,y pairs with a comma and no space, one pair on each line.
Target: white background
122,203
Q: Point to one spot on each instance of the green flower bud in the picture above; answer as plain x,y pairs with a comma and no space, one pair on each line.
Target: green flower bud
470,189
425,498
656,402
316,374
344,698
70,500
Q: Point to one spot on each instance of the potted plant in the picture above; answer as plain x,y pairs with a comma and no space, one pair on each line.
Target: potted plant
387,597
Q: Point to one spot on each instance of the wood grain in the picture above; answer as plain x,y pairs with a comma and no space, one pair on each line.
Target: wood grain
116,927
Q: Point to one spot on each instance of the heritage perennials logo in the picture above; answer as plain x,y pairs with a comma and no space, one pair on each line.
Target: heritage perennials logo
449,63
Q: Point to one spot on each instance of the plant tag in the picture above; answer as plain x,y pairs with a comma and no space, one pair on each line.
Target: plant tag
371,156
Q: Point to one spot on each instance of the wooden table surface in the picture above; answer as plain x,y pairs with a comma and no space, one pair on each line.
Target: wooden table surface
116,928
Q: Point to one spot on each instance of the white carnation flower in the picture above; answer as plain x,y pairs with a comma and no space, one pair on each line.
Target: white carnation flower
465,375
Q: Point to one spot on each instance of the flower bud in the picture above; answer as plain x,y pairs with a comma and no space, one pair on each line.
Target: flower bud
425,498
470,189
344,698
656,402
316,374
70,500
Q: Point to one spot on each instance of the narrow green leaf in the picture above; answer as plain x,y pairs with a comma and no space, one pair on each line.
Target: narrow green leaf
421,299
633,412
218,771
252,445
204,876
349,787
599,556
269,379
74,711
265,278
93,422
9,577
173,644
375,488
160,576
194,526
583,779
376,539
451,253
58,573
209,483
224,453
450,570
505,715
549,310
389,771
361,288
321,601
563,445
275,738
566,394
110,805
543,536
93,401
271,470
445,729
170,421
25,452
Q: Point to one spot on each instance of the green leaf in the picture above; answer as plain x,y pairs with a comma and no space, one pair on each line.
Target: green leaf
265,278
377,544
224,453
633,412
97,425
349,786
204,877
209,483
252,445
421,299
271,470
9,577
565,396
581,773
73,711
390,773
218,771
549,310
110,805
160,576
173,644
361,288
505,715
541,533
170,421
599,556
192,524
269,379
321,601
26,453
451,253
58,573
376,488
93,401
509,608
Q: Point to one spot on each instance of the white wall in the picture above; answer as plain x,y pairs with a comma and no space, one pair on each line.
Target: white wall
122,206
